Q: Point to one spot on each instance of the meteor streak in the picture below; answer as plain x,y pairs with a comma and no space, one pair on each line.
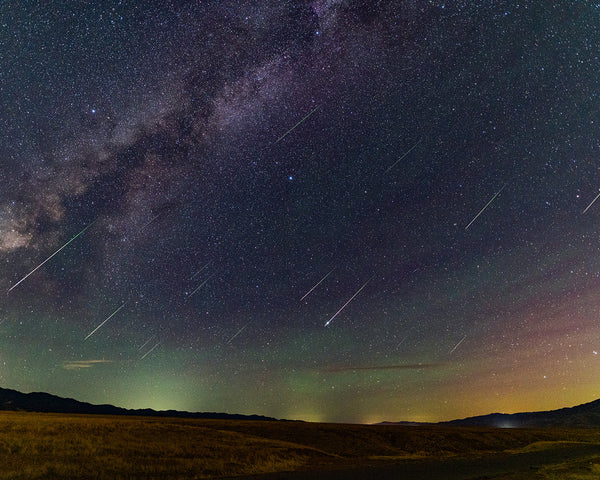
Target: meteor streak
457,345
285,134
107,319
146,343
149,222
50,256
238,332
586,208
318,283
405,154
486,205
201,285
351,298
149,351
195,274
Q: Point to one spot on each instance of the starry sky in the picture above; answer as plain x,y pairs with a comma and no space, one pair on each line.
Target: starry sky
327,210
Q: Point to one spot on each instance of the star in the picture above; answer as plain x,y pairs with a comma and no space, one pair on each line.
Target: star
249,166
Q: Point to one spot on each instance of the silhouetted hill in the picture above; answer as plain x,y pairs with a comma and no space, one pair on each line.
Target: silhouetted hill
44,402
586,415
406,423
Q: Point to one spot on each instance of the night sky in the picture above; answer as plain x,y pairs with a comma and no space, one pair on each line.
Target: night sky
176,177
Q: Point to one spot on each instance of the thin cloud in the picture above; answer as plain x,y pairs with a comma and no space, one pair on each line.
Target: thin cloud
410,366
76,365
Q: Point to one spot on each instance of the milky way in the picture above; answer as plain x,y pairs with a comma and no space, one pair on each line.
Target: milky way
181,173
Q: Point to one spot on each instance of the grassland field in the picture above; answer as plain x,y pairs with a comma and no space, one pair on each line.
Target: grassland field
53,446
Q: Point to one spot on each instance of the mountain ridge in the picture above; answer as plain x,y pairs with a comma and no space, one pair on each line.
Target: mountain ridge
585,415
13,400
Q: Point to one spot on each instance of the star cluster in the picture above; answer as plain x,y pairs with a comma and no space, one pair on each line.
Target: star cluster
336,210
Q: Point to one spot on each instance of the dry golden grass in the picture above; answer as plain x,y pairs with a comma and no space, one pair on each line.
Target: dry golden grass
581,469
78,446
51,446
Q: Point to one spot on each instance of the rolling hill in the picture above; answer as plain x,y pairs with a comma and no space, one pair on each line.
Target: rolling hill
586,415
13,400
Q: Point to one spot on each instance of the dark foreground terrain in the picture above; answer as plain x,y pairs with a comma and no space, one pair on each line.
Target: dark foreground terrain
34,445
576,462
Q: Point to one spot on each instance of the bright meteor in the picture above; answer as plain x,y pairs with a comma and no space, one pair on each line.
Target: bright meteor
318,283
238,332
146,343
351,298
196,274
405,154
285,134
149,351
50,257
486,205
458,344
107,319
586,208
201,285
